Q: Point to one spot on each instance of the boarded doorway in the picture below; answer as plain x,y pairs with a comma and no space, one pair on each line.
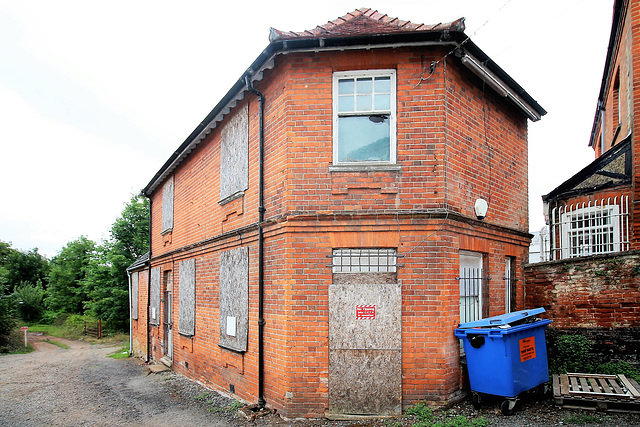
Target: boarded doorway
365,333
167,318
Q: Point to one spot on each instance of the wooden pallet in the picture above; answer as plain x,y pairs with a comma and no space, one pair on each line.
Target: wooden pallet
614,393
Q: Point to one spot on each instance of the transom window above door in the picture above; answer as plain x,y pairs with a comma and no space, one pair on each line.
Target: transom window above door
364,110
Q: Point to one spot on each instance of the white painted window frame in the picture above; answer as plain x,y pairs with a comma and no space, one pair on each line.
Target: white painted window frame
337,76
471,260
610,212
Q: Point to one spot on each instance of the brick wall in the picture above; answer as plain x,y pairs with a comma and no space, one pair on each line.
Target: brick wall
590,292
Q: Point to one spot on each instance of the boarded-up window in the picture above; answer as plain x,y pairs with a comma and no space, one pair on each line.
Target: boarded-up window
134,295
167,205
234,156
154,305
187,289
234,299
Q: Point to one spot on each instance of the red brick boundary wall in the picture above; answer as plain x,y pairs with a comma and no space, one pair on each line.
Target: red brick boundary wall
596,296
589,292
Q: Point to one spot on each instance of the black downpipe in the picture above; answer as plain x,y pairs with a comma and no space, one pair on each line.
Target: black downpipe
149,287
261,210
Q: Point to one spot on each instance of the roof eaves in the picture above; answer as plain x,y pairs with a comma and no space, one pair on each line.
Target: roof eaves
618,7
447,36
566,188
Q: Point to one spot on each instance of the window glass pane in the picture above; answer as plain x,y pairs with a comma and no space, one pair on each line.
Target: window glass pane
346,103
383,84
363,138
363,103
345,86
382,102
365,85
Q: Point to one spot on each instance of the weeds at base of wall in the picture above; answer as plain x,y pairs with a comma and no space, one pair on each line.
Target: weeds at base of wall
574,353
421,415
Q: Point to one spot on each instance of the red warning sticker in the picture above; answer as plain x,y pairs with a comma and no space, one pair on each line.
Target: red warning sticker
527,349
365,311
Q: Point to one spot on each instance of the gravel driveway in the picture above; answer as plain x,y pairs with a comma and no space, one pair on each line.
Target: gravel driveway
80,386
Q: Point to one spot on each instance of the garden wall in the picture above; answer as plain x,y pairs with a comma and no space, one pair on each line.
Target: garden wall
597,297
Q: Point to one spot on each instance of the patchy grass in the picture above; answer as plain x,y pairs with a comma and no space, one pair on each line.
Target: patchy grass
122,353
59,331
203,396
583,419
421,415
57,344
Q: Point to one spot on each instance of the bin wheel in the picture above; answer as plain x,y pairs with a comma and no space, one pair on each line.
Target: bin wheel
508,406
476,401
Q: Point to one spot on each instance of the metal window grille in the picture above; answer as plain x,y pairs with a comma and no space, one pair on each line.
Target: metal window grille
471,281
509,286
596,227
368,260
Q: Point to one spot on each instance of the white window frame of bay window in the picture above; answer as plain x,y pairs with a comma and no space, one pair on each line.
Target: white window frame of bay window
390,112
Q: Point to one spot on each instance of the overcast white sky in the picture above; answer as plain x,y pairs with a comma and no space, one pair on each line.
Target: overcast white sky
95,96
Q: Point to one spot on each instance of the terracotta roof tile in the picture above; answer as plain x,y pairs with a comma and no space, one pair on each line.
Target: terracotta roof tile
363,21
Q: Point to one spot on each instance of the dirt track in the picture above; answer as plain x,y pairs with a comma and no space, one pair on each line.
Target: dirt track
80,386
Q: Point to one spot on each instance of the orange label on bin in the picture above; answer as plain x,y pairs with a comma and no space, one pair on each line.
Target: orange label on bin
527,349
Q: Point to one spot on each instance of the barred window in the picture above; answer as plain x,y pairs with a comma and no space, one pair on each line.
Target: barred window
370,260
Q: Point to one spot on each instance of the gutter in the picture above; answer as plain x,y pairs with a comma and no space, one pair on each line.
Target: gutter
618,7
261,210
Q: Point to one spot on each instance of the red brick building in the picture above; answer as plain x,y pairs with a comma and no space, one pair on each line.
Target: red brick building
314,241
597,211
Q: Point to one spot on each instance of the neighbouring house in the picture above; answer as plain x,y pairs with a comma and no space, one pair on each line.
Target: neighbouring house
597,211
590,282
315,241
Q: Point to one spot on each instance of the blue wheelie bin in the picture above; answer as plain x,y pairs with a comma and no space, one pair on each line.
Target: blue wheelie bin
506,355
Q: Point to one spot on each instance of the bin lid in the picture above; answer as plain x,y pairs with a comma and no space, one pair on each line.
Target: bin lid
503,319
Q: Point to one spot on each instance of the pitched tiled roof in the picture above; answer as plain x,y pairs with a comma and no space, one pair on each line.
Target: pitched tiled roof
362,22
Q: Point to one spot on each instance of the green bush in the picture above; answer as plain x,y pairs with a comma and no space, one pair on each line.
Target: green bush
574,353
30,301
570,353
617,368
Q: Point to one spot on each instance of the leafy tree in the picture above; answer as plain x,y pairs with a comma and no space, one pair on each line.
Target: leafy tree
30,305
67,292
7,315
5,251
107,280
17,267
130,232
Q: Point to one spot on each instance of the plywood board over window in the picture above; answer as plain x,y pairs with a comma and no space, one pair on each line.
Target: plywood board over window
234,299
234,156
187,305
167,205
134,295
154,296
